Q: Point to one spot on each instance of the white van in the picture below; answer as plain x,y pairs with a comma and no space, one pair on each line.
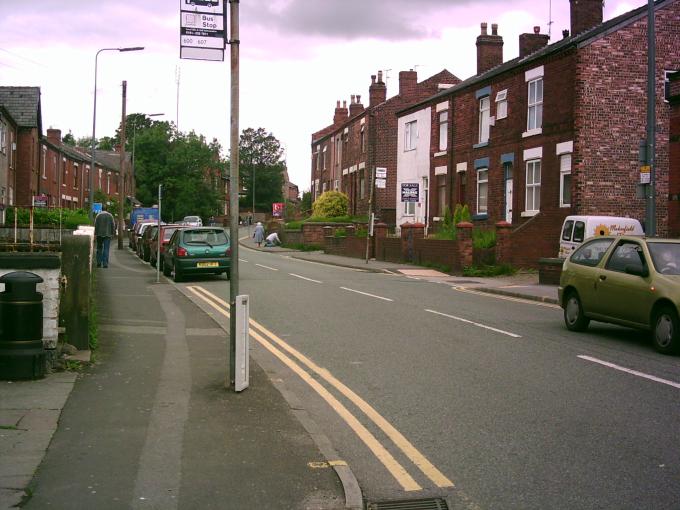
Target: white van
577,229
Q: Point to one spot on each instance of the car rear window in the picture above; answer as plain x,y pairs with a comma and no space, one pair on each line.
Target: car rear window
566,231
579,232
666,257
167,233
211,237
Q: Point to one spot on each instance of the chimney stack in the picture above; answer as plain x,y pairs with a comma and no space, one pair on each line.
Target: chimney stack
529,43
340,115
585,14
489,49
408,80
355,106
54,136
377,92
565,33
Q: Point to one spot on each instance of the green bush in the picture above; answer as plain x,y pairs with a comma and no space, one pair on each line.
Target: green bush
340,232
361,233
302,247
503,269
330,204
447,230
43,217
461,213
482,239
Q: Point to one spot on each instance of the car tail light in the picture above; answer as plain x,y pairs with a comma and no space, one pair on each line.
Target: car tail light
181,252
228,252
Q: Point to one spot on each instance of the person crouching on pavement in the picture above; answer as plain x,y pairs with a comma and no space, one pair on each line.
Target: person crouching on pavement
272,240
258,235
104,230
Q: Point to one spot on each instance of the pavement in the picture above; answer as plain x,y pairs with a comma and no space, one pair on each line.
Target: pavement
180,432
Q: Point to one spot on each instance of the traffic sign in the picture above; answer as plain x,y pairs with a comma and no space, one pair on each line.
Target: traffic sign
202,33
380,172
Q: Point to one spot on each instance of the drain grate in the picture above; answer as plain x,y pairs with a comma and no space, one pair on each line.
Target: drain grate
409,504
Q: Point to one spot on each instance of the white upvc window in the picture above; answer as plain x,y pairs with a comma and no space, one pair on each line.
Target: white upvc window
535,104
3,137
338,151
362,184
409,208
410,135
502,104
108,183
484,113
482,190
565,180
323,157
44,161
363,139
324,187
533,186
336,185
443,130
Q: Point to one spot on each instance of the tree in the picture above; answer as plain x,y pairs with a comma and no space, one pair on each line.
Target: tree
68,139
106,143
260,159
306,202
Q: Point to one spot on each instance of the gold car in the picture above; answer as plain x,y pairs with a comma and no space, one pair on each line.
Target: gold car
628,280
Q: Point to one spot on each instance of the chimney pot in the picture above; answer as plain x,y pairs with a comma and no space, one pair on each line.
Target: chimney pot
337,104
565,33
352,99
494,29
380,80
484,25
489,49
373,78
537,30
344,104
358,98
377,92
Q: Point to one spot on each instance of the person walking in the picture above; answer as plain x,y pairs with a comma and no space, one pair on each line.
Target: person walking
258,235
104,230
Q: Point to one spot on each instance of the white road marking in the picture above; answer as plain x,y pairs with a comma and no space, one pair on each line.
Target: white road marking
242,260
514,335
322,264
267,267
505,298
367,294
304,278
413,278
630,371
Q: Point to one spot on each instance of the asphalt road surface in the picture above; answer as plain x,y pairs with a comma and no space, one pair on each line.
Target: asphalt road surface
430,390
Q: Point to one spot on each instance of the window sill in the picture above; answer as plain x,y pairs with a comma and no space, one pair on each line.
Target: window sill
482,216
501,118
441,153
532,132
564,206
480,145
529,214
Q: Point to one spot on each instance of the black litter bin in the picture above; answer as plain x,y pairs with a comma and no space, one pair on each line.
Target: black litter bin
22,355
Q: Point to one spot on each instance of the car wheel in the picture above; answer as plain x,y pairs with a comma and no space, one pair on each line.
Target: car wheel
574,318
666,330
178,274
228,274
165,268
152,262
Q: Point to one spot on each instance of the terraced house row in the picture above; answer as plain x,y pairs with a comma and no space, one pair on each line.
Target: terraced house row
32,164
553,132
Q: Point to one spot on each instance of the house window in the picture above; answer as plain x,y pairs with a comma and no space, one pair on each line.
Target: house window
362,185
409,208
484,109
336,185
108,183
482,190
338,151
410,135
64,172
502,104
3,137
441,194
317,160
44,159
325,187
667,84
533,186
443,130
565,180
75,175
56,170
535,111
363,139
323,157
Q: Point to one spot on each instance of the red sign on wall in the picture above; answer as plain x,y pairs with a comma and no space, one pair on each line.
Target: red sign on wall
277,210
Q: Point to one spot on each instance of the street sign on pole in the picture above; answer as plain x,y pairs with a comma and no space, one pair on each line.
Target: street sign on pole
202,33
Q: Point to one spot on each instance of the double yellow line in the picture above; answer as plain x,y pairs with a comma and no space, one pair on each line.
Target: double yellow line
391,464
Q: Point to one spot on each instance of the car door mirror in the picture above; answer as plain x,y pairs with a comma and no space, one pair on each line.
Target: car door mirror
637,270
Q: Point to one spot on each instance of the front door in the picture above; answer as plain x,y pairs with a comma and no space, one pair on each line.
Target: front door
508,200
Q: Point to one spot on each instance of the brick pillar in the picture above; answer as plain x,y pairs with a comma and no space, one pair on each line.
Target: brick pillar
464,240
380,230
503,242
409,233
350,230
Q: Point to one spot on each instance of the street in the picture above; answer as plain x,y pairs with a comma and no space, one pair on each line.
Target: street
488,400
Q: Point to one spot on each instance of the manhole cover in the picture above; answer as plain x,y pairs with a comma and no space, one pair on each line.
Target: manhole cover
409,504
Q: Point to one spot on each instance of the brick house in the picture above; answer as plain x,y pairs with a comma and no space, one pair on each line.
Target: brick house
360,139
556,130
23,105
8,137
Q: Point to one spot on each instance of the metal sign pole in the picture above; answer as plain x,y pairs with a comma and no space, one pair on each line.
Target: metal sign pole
233,185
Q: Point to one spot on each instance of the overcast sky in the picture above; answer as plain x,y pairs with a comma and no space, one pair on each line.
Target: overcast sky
297,58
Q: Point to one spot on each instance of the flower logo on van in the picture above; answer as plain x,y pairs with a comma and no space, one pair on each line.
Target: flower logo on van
602,230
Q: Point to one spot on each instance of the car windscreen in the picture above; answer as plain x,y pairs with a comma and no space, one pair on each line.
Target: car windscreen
211,237
666,257
191,218
167,233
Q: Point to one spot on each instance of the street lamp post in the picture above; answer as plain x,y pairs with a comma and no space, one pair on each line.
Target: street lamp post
94,122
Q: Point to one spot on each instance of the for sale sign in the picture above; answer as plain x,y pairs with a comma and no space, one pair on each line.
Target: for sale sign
409,191
277,209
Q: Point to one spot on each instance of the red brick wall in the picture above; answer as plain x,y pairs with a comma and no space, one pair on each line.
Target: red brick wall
312,233
674,160
350,246
388,249
437,252
610,118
